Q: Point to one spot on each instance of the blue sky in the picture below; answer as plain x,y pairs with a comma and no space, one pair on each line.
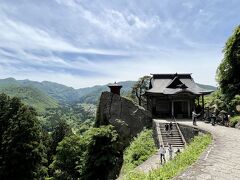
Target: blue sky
82,43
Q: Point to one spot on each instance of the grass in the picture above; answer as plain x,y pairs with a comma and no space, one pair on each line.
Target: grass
180,163
234,120
140,149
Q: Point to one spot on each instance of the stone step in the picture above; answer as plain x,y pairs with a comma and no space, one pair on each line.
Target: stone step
170,134
172,137
176,139
175,142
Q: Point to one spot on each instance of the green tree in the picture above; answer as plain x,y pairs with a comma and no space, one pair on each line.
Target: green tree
228,71
61,130
140,88
70,158
22,151
90,156
102,153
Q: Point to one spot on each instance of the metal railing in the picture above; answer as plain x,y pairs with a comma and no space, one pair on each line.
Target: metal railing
180,132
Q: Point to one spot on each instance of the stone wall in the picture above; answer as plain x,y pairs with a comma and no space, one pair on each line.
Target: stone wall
189,132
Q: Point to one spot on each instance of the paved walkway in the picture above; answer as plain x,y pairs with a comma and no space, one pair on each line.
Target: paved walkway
222,159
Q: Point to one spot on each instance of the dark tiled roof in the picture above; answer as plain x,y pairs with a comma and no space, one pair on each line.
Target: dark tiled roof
174,84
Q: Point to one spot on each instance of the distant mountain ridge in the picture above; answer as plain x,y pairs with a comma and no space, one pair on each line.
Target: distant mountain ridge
28,94
42,95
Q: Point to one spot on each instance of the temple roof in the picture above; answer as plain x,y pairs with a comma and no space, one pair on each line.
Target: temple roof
175,83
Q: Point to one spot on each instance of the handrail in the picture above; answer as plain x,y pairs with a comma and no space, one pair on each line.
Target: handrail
180,132
160,135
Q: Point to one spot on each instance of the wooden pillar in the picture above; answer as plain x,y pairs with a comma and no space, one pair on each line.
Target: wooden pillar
172,108
198,100
189,111
203,103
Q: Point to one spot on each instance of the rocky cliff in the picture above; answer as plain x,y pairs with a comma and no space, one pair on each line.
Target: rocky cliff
128,118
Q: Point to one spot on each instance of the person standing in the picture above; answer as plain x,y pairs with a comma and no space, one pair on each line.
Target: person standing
170,150
167,128
194,117
170,127
162,154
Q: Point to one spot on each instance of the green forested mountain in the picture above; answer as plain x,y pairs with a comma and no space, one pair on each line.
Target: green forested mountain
92,94
28,94
49,94
208,87
63,94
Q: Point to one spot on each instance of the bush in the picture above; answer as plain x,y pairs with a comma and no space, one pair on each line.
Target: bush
179,163
141,148
234,120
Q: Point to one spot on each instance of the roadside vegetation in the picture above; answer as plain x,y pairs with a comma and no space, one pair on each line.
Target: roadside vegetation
234,120
180,162
141,148
227,97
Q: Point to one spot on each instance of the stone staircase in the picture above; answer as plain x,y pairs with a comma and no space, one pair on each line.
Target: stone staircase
176,139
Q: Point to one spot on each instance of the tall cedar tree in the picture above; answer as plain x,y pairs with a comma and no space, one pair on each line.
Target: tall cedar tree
228,72
22,153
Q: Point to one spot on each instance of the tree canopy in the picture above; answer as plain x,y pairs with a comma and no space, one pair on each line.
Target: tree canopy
92,155
22,153
228,72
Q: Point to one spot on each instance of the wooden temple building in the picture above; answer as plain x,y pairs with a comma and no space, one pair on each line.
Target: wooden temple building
174,95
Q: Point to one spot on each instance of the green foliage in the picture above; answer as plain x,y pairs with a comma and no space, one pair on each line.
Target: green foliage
234,120
22,153
228,71
102,152
89,156
70,158
234,102
61,130
178,164
140,88
140,149
75,115
217,99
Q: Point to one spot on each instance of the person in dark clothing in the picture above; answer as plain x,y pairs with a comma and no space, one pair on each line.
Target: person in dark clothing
167,128
170,127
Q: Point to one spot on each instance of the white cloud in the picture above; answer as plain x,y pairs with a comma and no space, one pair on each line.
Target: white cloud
142,38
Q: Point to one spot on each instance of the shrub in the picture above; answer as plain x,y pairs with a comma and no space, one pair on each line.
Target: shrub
141,148
234,120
